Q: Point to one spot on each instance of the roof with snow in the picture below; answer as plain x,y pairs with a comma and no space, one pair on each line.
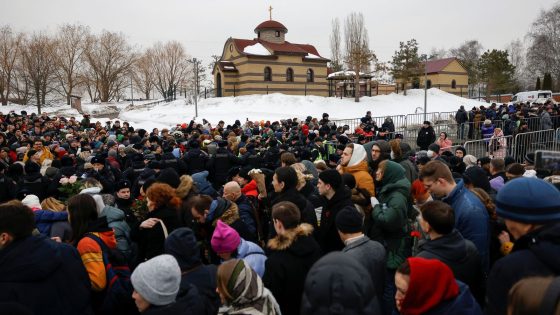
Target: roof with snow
435,66
342,75
271,25
227,66
253,47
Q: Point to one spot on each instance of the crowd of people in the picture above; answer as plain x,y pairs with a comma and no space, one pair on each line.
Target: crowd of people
268,218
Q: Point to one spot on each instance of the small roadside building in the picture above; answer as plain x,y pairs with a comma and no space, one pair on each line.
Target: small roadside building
270,64
447,74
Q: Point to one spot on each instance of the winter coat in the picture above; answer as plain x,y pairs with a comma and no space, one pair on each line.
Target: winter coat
327,235
546,121
445,145
151,241
7,189
228,212
247,214
290,256
253,255
426,136
362,176
44,276
196,160
458,254
487,132
471,219
534,254
461,116
497,146
48,222
498,180
187,302
372,256
410,171
186,191
36,184
305,207
219,166
462,304
116,221
389,217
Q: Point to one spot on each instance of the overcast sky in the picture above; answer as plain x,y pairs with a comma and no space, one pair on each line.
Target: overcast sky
204,25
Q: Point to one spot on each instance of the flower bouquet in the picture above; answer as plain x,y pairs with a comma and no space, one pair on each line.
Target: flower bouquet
69,186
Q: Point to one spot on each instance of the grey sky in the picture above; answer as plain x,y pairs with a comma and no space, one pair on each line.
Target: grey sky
204,25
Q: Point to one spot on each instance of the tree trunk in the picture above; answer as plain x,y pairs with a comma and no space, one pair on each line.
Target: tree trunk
357,87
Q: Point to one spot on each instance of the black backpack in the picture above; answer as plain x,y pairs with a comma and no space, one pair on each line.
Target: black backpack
118,291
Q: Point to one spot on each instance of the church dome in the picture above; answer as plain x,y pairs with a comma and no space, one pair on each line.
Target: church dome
271,25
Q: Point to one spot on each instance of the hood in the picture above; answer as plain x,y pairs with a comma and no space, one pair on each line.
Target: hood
477,177
91,191
224,210
311,167
34,267
169,176
406,150
362,166
250,189
293,241
94,192
246,247
358,155
185,186
448,247
182,244
394,179
338,282
385,148
202,183
113,214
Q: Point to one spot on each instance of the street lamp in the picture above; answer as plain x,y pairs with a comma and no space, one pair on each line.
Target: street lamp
131,90
195,64
425,85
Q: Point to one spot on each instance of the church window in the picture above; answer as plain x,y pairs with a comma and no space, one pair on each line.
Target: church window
289,75
310,75
267,74
453,84
277,34
429,84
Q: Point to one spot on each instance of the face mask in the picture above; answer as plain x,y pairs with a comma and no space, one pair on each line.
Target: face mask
392,155
430,154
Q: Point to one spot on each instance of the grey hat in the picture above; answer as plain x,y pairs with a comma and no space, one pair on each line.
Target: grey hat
157,280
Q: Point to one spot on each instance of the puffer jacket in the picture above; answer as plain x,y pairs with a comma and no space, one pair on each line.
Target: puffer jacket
360,172
253,255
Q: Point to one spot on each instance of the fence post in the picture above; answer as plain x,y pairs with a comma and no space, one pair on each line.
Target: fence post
205,93
267,90
305,89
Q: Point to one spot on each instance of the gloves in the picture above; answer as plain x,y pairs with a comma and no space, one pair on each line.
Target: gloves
374,201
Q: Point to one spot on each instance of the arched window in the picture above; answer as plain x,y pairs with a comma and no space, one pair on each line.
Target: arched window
453,84
310,75
267,74
289,75
429,84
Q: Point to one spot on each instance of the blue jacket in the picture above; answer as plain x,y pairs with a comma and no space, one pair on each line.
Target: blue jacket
44,220
116,221
471,219
462,304
246,214
487,132
44,276
253,255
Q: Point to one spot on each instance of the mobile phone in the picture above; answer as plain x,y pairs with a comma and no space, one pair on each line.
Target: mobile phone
547,160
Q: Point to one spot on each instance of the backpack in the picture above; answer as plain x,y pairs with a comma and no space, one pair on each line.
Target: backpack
118,291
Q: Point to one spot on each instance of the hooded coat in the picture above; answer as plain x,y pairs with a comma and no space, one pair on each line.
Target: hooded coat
391,214
327,235
534,254
358,167
290,256
45,276
338,284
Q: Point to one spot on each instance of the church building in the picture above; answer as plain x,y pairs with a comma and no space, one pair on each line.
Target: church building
270,64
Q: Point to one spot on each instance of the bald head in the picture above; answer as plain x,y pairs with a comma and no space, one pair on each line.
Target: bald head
232,191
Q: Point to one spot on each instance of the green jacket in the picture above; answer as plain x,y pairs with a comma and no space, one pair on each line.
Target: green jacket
390,220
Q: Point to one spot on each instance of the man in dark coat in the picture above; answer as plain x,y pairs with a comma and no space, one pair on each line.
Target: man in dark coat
530,209
220,164
448,245
41,275
370,254
335,197
426,136
461,117
195,159
7,187
291,253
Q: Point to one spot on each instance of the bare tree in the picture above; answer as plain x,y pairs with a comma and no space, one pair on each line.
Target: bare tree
468,53
110,57
20,84
10,49
169,64
38,54
438,53
336,50
143,74
358,56
516,51
69,49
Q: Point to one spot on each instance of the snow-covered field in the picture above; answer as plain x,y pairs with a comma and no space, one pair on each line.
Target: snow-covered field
267,107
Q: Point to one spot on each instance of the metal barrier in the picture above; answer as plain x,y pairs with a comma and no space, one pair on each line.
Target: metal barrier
480,148
530,142
416,120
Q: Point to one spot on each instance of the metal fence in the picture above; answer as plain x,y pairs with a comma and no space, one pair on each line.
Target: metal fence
482,147
530,142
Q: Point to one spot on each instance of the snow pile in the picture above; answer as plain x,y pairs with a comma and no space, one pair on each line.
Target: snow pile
279,106
312,56
343,74
257,49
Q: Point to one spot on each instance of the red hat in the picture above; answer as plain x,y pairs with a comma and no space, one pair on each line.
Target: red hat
305,130
431,282
417,189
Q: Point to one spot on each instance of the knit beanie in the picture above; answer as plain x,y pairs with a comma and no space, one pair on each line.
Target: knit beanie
157,280
182,244
349,220
331,177
225,239
470,160
529,200
358,155
32,202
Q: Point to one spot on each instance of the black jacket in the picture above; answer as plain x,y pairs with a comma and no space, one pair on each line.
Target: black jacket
290,256
461,256
327,235
307,210
36,184
196,160
7,189
151,241
187,302
219,166
426,136
534,254
45,276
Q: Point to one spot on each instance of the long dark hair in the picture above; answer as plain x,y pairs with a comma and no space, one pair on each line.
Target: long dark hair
82,209
288,176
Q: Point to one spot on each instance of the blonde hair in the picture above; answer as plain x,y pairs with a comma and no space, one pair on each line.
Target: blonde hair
302,177
91,182
53,204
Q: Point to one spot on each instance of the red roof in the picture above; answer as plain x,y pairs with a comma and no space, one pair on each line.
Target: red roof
271,25
285,48
435,66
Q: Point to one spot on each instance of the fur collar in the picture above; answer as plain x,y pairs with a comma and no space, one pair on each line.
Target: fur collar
185,186
229,216
282,242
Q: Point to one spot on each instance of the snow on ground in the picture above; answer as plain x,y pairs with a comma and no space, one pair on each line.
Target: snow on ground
279,106
264,107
